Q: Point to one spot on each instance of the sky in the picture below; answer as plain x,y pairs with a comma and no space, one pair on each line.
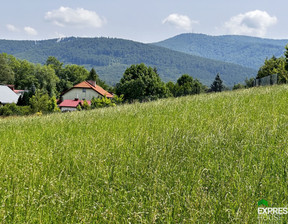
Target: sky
145,21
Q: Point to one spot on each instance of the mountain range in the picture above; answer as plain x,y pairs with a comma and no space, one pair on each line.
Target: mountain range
198,55
242,50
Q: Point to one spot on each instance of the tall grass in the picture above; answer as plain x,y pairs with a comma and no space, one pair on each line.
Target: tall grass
199,159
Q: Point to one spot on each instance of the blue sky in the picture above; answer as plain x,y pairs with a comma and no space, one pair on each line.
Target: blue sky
144,21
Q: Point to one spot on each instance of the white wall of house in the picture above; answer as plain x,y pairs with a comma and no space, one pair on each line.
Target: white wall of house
83,94
68,109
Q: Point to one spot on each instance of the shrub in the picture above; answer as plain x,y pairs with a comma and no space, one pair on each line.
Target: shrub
86,105
102,102
13,109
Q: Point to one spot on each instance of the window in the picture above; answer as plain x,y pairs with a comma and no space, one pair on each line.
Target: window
84,90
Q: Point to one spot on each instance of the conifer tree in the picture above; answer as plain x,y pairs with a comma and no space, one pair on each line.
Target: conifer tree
217,85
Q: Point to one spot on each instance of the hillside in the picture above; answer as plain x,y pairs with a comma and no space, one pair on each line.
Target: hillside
243,50
112,56
198,159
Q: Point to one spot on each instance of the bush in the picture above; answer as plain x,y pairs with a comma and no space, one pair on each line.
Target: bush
238,86
13,109
52,105
86,105
118,99
102,102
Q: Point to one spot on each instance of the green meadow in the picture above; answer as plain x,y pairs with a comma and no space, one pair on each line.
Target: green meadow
199,159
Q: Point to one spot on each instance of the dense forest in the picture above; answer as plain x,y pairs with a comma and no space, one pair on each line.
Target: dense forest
111,57
242,50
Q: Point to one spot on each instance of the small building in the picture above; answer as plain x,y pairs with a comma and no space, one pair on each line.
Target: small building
71,105
85,90
7,95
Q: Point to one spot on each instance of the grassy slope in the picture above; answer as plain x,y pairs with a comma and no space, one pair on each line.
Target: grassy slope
206,158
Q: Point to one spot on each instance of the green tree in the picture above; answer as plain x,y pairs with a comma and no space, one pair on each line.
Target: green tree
13,63
186,85
70,76
25,75
92,75
286,57
270,67
6,73
217,85
142,83
95,77
171,87
24,99
184,79
249,82
39,102
75,73
54,63
274,66
46,79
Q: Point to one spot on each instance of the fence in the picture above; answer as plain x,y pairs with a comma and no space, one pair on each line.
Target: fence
266,81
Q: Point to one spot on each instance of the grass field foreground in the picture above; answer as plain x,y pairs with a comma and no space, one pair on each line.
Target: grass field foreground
198,159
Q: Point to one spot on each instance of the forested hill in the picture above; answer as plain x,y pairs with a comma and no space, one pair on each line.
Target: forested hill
243,50
111,57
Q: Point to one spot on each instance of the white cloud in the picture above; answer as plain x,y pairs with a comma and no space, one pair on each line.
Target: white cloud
253,23
180,21
11,28
30,31
65,16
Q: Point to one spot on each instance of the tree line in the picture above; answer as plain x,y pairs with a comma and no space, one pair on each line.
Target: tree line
46,82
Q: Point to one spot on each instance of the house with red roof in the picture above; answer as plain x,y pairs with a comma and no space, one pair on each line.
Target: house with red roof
76,95
71,105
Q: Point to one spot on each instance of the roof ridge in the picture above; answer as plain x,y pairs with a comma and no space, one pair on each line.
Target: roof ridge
96,88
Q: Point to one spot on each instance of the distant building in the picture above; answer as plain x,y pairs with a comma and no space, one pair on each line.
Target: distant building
75,96
7,95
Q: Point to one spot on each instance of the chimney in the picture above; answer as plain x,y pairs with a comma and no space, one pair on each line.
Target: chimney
11,87
92,82
76,98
